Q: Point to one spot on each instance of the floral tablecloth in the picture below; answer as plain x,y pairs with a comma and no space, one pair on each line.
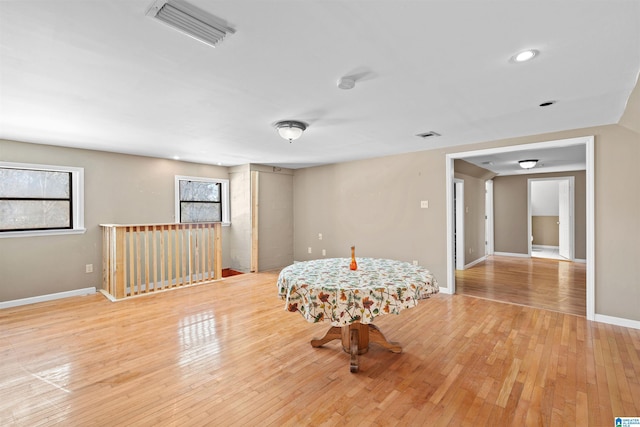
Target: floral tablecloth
327,290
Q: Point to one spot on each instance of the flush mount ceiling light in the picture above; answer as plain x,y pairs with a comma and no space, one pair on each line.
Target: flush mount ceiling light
291,129
525,55
528,164
190,20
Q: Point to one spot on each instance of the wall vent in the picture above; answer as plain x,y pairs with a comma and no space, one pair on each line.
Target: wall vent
190,20
429,134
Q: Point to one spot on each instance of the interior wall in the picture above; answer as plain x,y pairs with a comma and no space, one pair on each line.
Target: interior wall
374,204
240,230
275,219
617,194
545,230
511,212
119,189
474,217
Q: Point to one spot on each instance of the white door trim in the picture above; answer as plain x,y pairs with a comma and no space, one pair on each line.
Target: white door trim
488,213
459,223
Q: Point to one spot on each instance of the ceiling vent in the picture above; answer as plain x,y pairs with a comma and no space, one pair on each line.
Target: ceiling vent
190,20
429,134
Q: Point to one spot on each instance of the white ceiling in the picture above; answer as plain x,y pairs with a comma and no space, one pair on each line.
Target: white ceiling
101,75
556,159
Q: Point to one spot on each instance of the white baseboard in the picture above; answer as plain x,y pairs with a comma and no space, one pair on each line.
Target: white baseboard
445,290
618,321
48,297
472,263
582,261
512,254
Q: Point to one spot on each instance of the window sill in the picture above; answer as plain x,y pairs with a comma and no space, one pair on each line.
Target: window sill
35,233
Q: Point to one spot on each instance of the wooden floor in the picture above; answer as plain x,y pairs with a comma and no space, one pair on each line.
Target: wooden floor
536,282
229,354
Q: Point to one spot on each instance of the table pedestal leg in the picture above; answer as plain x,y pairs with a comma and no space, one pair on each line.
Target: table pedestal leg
355,340
353,365
334,333
377,337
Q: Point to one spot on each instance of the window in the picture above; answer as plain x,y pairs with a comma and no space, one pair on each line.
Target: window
202,199
40,200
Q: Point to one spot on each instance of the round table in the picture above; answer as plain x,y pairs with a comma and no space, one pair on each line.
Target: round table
328,290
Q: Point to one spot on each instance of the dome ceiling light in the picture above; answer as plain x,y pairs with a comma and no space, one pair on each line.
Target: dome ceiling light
291,129
528,164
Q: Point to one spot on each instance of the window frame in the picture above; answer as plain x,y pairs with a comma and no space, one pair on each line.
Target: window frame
224,197
77,200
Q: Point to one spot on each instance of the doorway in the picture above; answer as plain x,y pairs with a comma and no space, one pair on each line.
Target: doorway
587,143
551,219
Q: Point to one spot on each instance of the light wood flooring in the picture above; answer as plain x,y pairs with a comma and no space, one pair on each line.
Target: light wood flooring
536,282
228,353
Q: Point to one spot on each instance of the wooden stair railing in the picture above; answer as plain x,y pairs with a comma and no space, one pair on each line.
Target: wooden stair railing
141,259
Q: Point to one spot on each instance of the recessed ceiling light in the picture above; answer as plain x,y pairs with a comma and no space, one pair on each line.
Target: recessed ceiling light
428,134
176,157
525,55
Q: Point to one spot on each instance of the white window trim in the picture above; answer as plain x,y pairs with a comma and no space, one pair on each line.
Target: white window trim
77,200
224,184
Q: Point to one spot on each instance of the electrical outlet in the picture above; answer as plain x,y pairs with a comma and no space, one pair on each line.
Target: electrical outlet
319,236
424,204
309,249
88,268
324,252
415,262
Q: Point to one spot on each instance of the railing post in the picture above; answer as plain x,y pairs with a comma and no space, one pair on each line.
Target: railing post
120,290
217,251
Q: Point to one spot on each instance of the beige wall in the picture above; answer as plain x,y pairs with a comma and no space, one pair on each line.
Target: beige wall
617,194
511,212
374,204
474,217
545,230
119,189
275,219
240,232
